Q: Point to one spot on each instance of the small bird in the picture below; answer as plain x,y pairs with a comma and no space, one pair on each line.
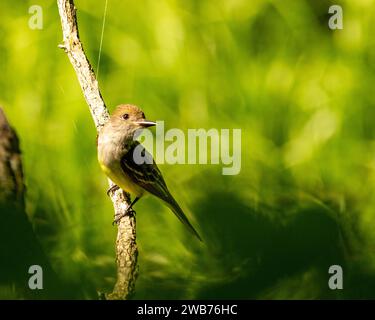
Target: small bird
116,145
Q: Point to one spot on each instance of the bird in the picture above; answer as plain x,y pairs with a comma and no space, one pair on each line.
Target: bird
116,146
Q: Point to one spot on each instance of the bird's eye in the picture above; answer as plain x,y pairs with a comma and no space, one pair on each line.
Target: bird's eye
125,116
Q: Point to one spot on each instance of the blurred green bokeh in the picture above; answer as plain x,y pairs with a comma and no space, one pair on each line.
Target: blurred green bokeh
301,93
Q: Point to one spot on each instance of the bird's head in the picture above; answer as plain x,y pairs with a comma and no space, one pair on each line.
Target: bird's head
129,118
125,124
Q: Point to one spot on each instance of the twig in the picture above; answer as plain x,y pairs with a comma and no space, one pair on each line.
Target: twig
126,247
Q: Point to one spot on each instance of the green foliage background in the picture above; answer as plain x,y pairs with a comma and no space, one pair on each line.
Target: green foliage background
301,93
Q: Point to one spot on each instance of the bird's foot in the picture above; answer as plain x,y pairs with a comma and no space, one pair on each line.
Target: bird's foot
112,189
119,216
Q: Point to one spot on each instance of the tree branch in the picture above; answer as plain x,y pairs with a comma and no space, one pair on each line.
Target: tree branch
126,247
19,246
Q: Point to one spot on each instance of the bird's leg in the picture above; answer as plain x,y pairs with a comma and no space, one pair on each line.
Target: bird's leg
112,189
118,217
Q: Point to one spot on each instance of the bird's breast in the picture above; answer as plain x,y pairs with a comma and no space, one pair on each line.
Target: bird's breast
109,157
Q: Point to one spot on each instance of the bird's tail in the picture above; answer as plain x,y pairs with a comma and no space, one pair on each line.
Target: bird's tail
173,205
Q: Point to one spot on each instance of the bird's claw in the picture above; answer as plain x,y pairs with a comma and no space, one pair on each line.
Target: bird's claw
118,217
112,189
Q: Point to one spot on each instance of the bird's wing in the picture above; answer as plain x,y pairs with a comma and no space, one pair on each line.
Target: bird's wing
149,177
146,175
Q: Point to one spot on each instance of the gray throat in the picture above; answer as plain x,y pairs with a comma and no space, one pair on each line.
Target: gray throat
113,144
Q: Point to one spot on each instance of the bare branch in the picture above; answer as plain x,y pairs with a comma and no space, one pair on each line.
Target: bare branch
126,247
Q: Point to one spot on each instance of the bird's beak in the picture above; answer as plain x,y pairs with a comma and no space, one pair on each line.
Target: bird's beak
146,123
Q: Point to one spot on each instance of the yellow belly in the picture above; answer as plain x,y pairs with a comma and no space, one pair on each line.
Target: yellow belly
117,175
